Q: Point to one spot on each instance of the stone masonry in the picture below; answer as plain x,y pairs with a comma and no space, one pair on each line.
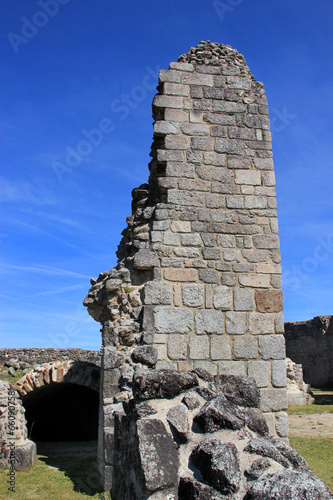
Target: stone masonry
16,450
198,279
29,356
310,343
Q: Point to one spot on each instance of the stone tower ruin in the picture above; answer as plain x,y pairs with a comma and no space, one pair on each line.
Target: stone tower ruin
198,279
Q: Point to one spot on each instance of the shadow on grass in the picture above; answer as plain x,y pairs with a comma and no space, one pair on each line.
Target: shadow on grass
76,460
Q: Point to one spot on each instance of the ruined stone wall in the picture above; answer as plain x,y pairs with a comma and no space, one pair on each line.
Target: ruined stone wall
310,343
198,279
36,356
16,450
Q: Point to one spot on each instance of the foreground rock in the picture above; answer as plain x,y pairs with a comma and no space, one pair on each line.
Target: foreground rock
289,485
183,436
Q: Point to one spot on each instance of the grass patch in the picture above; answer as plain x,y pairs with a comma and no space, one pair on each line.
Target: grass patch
319,455
12,378
326,389
69,477
322,391
309,409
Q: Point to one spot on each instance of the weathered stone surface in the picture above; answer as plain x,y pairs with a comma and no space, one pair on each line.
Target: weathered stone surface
272,347
258,468
145,259
181,275
191,401
219,413
143,410
156,449
289,484
273,399
208,321
25,455
177,346
220,347
278,451
190,489
199,347
243,299
173,319
222,297
294,458
269,301
177,416
157,293
232,368
260,371
235,322
255,421
219,464
245,347
112,358
162,383
279,373
193,295
240,390
147,355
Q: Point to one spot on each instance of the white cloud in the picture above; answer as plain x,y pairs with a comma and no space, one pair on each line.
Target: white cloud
45,270
24,192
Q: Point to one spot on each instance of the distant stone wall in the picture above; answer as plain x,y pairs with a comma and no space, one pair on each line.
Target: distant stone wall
310,343
37,356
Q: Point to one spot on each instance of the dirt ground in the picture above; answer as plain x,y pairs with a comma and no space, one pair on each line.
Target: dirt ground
315,425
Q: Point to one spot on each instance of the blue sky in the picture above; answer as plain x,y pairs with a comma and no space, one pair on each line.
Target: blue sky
70,67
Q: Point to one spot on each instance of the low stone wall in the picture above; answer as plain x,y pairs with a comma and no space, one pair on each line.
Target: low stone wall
310,343
37,356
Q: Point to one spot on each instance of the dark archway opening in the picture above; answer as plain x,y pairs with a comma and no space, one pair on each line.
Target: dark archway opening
62,412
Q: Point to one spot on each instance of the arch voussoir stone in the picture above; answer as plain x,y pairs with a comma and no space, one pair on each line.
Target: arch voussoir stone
69,371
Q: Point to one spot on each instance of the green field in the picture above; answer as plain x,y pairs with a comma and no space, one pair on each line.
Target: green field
319,455
66,477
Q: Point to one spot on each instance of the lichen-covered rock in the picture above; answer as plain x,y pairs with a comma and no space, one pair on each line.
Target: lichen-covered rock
190,401
190,489
257,468
162,447
289,485
177,416
255,421
219,463
267,448
219,413
162,383
156,449
240,390
294,458
144,410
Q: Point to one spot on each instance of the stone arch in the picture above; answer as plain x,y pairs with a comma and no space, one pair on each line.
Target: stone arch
61,400
70,372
